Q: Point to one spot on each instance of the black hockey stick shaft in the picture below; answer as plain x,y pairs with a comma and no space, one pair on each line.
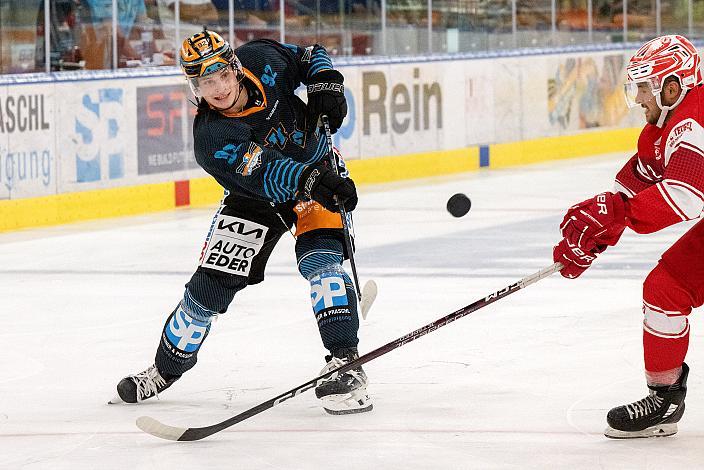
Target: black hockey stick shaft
343,212
158,429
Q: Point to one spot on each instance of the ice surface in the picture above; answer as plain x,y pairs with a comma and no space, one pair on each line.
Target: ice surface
523,383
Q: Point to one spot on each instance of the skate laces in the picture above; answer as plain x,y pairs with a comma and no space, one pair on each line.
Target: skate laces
337,362
647,405
333,363
148,383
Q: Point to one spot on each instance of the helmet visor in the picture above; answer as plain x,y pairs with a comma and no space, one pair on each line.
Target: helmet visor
214,84
641,91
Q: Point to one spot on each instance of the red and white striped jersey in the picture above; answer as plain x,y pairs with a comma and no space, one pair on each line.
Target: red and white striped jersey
665,179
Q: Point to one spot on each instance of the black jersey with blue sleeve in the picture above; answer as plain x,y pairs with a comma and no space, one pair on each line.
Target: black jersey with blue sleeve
261,151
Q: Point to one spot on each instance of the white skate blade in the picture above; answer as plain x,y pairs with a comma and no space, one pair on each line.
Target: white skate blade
347,403
336,408
369,292
661,430
115,400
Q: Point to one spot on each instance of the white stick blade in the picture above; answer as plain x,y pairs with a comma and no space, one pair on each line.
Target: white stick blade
369,292
155,428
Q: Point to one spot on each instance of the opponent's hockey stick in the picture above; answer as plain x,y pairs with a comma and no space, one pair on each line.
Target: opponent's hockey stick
156,428
343,213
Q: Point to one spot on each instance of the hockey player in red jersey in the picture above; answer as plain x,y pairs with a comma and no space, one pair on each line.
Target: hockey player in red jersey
661,185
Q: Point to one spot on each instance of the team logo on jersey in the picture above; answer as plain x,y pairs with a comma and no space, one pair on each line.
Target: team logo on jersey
298,137
277,136
658,154
251,160
229,153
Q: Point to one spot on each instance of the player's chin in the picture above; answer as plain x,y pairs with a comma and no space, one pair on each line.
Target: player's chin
651,117
222,102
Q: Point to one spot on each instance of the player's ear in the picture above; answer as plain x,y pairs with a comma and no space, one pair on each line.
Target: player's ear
672,90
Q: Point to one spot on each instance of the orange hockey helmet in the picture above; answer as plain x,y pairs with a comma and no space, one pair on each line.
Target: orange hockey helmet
205,53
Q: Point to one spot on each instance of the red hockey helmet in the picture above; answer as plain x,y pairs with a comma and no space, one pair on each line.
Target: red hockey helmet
657,59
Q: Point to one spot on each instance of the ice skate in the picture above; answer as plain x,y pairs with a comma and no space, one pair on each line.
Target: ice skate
347,393
137,388
654,416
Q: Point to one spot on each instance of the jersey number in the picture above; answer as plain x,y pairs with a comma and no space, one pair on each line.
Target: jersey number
269,76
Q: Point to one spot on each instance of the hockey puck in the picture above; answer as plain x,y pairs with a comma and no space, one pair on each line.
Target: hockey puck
458,205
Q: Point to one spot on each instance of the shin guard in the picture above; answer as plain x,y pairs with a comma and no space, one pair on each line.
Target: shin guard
183,334
335,307
331,291
666,304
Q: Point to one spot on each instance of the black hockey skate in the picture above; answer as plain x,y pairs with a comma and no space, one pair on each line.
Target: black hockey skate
347,393
137,388
654,416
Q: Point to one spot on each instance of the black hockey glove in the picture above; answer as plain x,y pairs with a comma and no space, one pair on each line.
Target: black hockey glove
326,95
321,184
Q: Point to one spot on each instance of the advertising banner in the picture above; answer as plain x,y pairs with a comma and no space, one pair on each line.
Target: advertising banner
401,108
65,136
347,137
164,129
96,135
4,148
507,88
532,120
586,92
476,90
449,121
27,147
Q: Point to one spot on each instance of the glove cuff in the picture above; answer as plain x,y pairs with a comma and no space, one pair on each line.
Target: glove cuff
621,207
308,181
326,86
328,75
326,80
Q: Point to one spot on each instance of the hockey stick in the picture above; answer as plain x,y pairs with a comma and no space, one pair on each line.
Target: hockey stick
173,433
369,292
367,295
343,212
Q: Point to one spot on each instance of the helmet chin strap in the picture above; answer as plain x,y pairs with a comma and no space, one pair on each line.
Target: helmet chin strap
665,110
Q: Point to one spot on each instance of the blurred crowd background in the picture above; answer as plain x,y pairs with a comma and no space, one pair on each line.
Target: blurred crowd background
54,35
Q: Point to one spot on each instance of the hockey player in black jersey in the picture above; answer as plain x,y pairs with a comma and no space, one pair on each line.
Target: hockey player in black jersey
262,144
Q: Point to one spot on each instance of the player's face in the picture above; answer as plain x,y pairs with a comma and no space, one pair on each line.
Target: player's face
220,89
641,94
649,104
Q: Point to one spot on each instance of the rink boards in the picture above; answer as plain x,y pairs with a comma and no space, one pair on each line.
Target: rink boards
76,146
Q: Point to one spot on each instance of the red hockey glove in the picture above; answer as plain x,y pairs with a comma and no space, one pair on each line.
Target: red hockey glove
574,260
596,221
